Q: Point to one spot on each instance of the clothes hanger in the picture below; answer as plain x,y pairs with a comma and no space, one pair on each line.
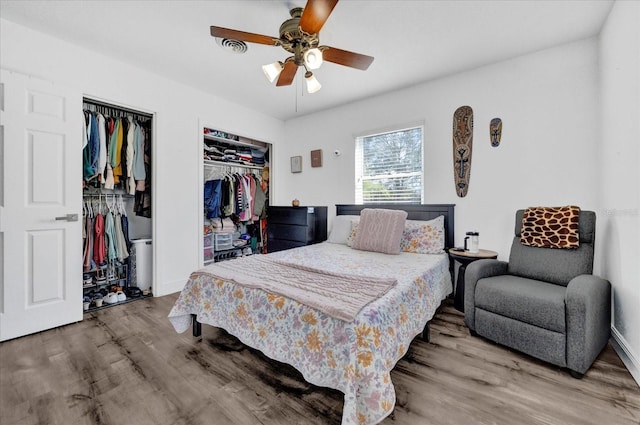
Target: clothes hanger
123,210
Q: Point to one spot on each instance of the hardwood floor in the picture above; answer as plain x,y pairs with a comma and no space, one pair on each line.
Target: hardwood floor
126,365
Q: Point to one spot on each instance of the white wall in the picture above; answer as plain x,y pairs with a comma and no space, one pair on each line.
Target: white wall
180,110
571,117
548,154
562,144
619,182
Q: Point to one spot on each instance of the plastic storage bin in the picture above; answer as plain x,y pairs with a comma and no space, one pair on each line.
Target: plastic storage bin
208,254
223,241
208,240
141,263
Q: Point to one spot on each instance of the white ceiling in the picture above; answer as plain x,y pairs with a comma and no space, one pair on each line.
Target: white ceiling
412,41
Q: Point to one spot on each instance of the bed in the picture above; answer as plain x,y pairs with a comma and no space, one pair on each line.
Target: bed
351,353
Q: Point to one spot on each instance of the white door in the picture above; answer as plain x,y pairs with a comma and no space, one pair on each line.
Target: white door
40,205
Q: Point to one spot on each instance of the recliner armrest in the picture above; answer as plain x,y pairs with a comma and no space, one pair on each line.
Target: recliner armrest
588,314
475,271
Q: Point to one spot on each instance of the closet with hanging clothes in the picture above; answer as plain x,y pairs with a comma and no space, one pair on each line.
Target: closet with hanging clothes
116,184
235,196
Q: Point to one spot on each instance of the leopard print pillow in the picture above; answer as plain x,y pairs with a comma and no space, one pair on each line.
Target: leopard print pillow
551,227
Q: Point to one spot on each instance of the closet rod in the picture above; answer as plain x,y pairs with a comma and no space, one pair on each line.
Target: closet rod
115,113
210,163
105,195
88,102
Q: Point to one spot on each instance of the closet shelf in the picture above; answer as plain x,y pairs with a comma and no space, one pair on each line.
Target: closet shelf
110,282
248,142
128,300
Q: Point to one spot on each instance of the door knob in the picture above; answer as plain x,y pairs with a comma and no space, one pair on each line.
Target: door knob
68,217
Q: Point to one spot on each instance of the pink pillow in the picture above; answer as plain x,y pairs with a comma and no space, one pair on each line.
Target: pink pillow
380,230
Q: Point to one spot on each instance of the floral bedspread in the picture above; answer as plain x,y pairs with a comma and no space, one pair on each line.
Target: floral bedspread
355,357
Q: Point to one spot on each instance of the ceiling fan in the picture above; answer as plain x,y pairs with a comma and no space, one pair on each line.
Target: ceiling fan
299,35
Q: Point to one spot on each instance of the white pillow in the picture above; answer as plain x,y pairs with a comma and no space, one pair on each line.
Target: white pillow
341,228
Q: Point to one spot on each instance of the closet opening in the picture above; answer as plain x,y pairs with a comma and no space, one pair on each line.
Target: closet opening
117,205
236,176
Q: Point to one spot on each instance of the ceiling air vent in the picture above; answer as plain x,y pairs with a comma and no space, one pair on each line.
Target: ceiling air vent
233,46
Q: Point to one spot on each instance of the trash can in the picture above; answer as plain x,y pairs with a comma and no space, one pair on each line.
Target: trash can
141,263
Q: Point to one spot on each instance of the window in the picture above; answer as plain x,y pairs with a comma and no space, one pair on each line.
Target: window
389,167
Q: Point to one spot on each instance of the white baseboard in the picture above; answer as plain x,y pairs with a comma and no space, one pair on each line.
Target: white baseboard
626,354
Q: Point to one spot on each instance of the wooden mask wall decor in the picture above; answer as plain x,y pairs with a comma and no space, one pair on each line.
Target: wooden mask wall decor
462,144
495,131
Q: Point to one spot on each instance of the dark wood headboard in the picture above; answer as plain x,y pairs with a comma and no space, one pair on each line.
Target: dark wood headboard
415,212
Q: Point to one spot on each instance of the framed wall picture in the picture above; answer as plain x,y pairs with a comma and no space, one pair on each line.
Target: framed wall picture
316,158
296,164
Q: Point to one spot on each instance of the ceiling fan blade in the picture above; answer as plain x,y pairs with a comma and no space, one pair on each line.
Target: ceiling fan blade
287,74
315,15
346,58
243,36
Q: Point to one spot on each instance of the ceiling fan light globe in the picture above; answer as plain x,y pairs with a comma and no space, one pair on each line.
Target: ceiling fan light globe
272,70
313,85
313,58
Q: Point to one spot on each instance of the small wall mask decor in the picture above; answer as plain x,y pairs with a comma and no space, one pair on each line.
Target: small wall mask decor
495,131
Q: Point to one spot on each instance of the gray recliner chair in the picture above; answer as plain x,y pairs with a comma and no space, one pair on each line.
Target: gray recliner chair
544,302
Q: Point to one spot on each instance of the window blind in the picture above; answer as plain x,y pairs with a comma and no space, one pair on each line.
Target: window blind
389,167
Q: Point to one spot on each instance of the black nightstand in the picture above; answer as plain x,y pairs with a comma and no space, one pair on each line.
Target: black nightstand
465,258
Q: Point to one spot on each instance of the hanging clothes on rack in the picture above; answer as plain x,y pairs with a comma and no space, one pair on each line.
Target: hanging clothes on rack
102,147
116,163
108,172
124,222
121,245
117,153
109,230
260,200
237,194
139,172
142,206
123,153
90,153
88,242
246,211
130,182
212,198
99,247
227,194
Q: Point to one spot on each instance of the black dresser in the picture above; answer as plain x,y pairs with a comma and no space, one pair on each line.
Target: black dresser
291,227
